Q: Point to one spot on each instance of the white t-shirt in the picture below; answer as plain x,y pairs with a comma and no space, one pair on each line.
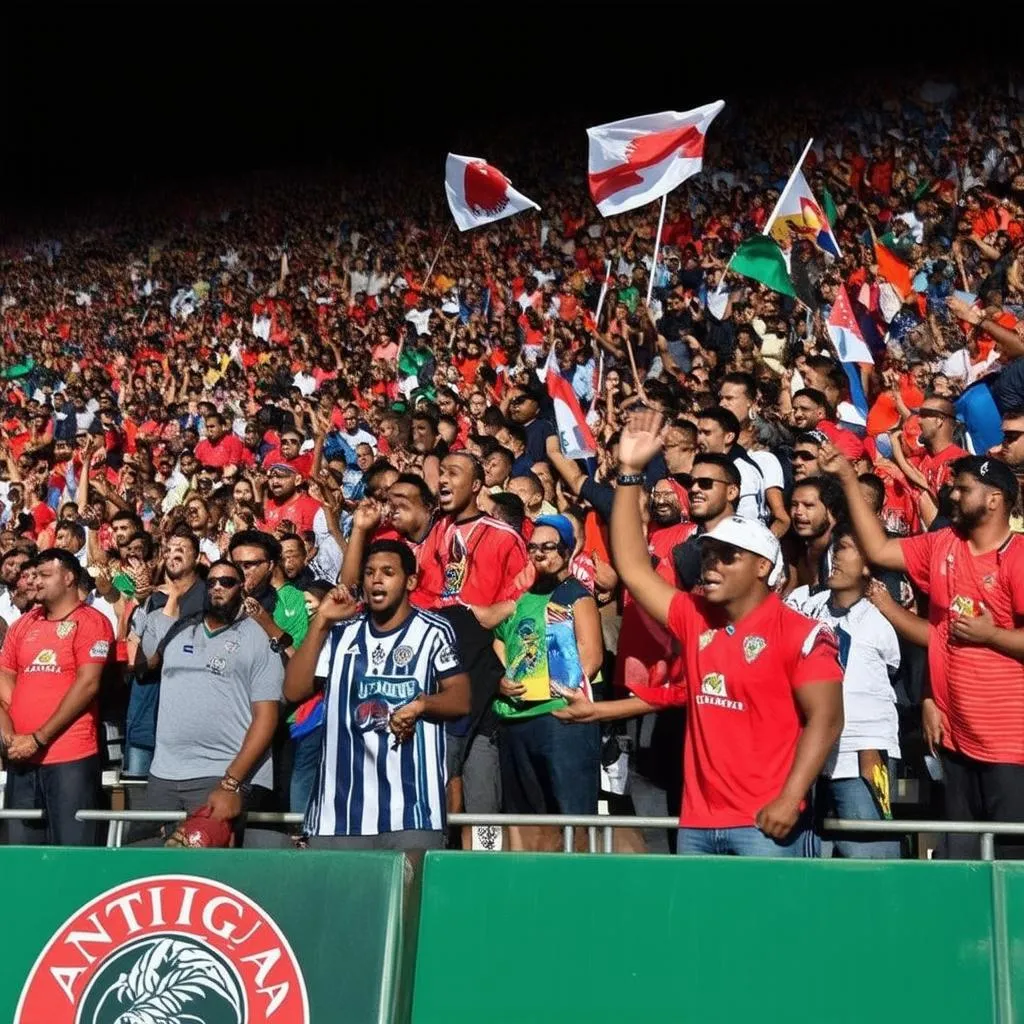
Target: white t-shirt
869,652
751,503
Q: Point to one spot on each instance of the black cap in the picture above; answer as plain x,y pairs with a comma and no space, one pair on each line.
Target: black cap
991,472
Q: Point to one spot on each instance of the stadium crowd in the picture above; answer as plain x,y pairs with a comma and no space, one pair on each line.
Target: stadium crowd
283,500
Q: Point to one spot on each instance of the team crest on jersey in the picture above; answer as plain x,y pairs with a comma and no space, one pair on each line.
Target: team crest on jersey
403,655
752,647
713,684
166,949
988,581
378,655
961,605
217,666
65,629
705,638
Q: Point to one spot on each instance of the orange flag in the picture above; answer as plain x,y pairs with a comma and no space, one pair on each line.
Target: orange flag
892,270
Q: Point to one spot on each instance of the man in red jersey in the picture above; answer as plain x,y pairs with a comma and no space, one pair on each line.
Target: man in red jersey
973,574
286,501
479,557
762,686
50,667
221,447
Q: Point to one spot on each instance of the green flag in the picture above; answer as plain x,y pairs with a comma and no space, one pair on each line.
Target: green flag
829,208
761,258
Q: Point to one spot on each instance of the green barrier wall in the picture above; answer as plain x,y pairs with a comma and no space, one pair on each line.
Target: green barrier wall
717,941
216,953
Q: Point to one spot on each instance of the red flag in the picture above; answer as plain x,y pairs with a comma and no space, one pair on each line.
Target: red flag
893,270
640,159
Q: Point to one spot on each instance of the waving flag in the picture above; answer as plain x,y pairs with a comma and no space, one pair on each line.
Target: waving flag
479,193
850,346
635,161
575,438
797,215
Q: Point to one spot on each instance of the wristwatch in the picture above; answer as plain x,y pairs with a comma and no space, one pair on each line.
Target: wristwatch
281,643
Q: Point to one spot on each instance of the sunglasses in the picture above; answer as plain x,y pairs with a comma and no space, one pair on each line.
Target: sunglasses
704,483
251,563
934,414
223,582
1012,436
726,556
549,547
804,457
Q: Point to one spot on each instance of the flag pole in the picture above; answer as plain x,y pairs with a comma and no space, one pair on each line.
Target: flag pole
785,192
657,245
437,256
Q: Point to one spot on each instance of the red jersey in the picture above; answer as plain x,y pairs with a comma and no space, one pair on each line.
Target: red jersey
742,723
300,508
645,651
472,562
937,469
44,657
228,451
979,691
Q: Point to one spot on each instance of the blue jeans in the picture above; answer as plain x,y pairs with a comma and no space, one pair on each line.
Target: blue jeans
851,798
746,841
59,790
306,759
549,766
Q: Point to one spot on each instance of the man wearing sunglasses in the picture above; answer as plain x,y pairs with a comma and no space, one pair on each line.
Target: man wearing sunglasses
762,685
1011,451
220,688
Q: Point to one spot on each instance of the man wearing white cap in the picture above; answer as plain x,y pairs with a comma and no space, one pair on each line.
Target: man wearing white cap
763,688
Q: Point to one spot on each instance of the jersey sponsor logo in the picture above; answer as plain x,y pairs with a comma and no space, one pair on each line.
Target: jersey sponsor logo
714,684
44,661
372,715
65,629
705,638
390,688
961,605
752,647
100,649
378,655
166,949
403,655
714,693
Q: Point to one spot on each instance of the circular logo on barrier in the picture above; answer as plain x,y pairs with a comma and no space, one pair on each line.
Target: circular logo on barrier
169,949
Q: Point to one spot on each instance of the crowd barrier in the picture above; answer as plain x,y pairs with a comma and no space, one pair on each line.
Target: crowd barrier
512,939
205,936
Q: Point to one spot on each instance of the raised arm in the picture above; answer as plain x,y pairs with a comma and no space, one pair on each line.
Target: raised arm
641,440
880,550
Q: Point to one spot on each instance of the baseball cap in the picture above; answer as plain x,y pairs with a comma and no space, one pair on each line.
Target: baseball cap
561,526
282,467
992,472
750,535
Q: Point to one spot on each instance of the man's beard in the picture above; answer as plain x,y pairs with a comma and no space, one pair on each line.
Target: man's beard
666,516
223,613
966,521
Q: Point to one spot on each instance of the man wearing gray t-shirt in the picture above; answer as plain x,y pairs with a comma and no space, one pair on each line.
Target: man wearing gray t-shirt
220,690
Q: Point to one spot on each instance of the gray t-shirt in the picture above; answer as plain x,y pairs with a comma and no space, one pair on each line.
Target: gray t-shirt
208,684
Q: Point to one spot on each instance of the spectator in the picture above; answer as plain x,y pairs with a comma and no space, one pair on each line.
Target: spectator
50,667
220,688
411,679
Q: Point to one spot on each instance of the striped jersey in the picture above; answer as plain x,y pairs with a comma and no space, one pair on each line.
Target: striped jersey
365,783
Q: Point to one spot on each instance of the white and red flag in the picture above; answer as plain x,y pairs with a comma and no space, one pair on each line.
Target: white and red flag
575,437
636,161
479,193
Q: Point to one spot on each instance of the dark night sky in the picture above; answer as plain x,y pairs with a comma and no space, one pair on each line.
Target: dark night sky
108,98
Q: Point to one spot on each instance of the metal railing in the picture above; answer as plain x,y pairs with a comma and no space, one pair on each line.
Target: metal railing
594,823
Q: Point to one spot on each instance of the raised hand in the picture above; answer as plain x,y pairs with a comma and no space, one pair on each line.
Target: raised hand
338,605
642,438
